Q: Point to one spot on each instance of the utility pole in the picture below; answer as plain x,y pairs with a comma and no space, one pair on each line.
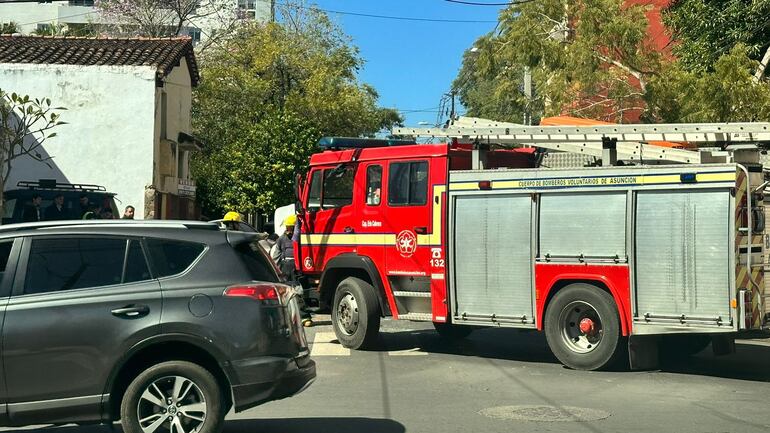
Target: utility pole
528,94
452,110
272,11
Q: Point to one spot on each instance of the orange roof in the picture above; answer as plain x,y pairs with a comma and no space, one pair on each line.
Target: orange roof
578,121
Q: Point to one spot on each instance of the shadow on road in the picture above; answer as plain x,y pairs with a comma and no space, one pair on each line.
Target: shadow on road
505,344
750,362
317,425
284,425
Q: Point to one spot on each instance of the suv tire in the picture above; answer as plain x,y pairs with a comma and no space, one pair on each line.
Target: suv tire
355,314
196,389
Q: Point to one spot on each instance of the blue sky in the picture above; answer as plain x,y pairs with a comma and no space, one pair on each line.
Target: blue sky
411,64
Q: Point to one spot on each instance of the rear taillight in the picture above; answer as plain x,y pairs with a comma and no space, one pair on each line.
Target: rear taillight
266,293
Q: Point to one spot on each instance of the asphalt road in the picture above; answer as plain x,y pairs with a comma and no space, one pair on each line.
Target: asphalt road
507,381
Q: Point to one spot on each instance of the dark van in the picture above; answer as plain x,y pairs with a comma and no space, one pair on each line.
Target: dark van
16,200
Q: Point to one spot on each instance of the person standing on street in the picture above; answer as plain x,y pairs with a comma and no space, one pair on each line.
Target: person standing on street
56,211
128,214
283,255
32,213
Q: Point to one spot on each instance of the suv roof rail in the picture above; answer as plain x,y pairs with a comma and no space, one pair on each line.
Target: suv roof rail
53,184
193,225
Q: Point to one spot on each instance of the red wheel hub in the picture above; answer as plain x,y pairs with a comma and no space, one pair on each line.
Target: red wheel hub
587,326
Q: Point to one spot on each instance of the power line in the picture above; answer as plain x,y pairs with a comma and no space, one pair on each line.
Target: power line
487,4
57,18
390,17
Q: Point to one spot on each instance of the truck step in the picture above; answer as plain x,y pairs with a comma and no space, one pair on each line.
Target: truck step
420,317
412,294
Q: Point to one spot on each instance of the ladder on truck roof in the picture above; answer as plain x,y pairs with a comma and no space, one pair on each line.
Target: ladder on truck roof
630,141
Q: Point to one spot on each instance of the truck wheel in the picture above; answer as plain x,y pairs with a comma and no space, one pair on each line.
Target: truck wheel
680,346
450,331
583,328
355,314
173,396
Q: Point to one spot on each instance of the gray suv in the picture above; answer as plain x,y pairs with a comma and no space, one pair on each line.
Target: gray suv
163,325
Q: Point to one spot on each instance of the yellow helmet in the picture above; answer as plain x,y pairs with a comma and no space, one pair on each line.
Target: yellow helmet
290,220
232,216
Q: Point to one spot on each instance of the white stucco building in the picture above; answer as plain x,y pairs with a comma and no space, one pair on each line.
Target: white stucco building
128,115
32,16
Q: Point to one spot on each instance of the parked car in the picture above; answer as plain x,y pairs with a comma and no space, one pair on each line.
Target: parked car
17,199
164,325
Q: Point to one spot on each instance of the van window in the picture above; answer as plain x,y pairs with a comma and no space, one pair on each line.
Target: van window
408,183
172,257
74,263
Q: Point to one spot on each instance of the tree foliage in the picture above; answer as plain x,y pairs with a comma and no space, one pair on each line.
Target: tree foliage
9,28
593,59
160,18
267,95
705,30
588,57
25,124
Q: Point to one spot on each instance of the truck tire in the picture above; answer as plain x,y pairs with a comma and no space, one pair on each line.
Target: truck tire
583,328
355,314
683,345
177,393
451,331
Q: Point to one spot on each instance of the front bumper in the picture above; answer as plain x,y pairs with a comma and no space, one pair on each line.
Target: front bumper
269,379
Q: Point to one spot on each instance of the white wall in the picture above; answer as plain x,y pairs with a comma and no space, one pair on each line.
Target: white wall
29,15
109,138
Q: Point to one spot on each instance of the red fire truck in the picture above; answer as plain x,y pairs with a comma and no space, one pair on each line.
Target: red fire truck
608,261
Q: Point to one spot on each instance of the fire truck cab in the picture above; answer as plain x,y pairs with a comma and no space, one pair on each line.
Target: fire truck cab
606,261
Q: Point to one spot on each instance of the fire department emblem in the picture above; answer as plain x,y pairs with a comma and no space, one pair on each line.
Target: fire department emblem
406,243
308,263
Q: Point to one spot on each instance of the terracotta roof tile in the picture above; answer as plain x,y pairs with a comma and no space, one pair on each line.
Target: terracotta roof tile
163,53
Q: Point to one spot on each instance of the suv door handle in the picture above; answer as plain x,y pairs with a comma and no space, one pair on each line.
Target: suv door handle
348,229
421,230
131,311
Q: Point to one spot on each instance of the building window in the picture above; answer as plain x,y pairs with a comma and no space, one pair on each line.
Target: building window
248,8
81,2
195,35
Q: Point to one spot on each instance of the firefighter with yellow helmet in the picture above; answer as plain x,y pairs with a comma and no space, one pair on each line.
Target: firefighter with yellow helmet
283,255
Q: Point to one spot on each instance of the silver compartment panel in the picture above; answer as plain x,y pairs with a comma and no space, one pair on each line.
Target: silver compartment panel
682,259
492,256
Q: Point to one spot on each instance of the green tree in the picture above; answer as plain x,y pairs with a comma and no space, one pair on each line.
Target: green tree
266,96
25,124
705,30
8,28
588,58
728,93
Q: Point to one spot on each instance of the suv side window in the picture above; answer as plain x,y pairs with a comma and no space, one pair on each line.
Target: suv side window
172,257
5,254
74,263
338,187
136,264
408,183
